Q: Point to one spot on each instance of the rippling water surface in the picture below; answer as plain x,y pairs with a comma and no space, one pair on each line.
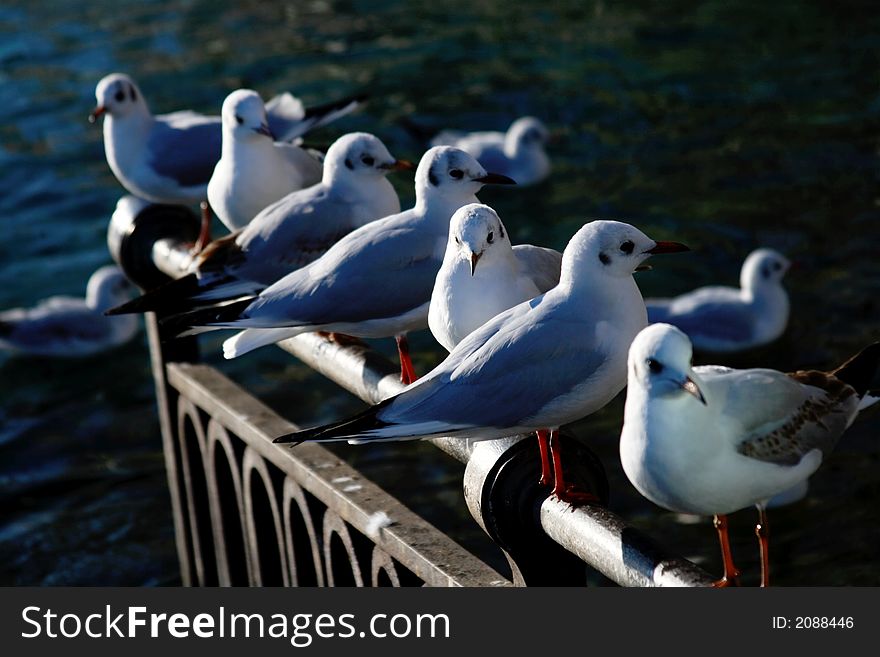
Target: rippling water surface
724,125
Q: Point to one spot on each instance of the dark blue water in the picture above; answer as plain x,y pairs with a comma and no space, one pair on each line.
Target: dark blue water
724,125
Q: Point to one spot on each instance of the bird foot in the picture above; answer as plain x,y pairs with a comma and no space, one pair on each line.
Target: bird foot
725,581
344,340
575,496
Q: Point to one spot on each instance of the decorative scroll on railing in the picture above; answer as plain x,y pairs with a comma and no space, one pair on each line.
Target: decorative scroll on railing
249,512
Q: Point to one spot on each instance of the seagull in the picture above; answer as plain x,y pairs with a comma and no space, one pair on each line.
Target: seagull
517,153
169,158
69,327
375,282
726,319
712,440
545,362
254,170
288,234
482,275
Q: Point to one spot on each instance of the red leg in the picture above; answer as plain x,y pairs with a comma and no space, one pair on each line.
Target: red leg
731,574
762,531
570,493
544,449
407,372
343,339
205,231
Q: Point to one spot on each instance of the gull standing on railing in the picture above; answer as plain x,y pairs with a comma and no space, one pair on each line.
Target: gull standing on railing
375,282
254,170
712,440
169,158
289,233
483,275
541,364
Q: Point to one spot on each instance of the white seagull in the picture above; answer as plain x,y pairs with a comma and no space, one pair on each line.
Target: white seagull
541,364
288,234
254,170
482,275
375,282
69,327
169,158
517,153
725,319
712,440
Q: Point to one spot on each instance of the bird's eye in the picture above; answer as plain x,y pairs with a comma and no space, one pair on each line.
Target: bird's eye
627,247
458,174
238,119
366,159
654,365
119,96
777,266
490,237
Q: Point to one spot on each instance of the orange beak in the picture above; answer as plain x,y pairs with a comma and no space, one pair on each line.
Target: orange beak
97,113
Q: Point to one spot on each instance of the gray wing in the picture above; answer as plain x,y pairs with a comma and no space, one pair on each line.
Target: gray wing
721,321
502,374
784,416
542,265
383,269
52,327
185,148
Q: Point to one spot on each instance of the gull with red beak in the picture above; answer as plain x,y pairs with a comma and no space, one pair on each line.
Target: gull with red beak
712,440
290,233
170,158
483,275
375,282
541,364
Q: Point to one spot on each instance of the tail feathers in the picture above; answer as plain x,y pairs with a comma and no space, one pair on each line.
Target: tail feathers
170,297
183,323
859,370
246,341
343,430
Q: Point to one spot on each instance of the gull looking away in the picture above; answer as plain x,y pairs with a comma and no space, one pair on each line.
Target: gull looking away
543,363
712,440
375,282
288,234
725,319
69,327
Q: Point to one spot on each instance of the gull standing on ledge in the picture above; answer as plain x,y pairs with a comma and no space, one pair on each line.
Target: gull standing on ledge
69,327
375,282
725,319
482,275
288,234
712,440
543,363
169,158
254,170
517,153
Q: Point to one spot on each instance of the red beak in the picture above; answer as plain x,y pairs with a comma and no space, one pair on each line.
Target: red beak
668,247
97,113
400,165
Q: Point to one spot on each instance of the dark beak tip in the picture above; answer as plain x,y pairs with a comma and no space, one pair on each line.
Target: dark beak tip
496,179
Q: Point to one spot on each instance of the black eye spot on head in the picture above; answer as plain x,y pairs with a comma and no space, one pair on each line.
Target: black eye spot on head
238,119
627,247
777,266
119,95
458,174
366,159
348,164
501,230
432,178
132,93
654,365
457,240
604,259
490,237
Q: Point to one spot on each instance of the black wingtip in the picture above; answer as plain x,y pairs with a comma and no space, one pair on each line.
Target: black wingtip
170,297
179,324
366,420
335,105
859,371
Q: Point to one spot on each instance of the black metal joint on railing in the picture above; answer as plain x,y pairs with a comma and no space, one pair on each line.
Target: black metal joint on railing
503,493
139,227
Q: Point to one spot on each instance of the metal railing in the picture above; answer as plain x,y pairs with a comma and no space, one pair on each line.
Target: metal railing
248,511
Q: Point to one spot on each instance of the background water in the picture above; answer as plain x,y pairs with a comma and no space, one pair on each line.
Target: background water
724,125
